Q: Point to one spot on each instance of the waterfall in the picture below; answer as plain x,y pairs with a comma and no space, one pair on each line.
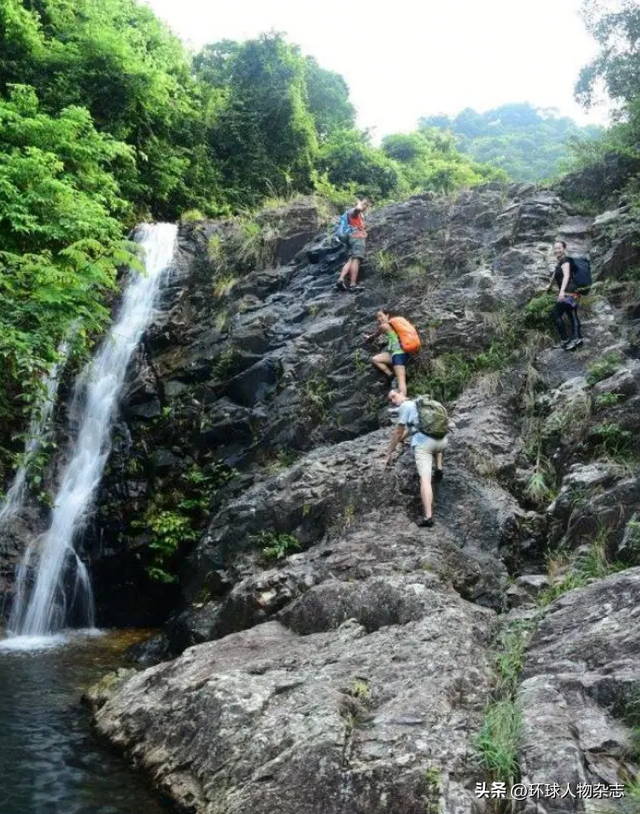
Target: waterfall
61,581
36,434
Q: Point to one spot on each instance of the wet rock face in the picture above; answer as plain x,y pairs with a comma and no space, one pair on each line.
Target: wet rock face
329,655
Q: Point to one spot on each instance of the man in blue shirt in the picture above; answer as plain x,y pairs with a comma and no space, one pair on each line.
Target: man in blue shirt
424,447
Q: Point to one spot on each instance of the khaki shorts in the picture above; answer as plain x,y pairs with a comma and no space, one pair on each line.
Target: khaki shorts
424,455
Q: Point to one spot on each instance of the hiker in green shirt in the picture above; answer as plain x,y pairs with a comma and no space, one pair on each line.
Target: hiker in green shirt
393,362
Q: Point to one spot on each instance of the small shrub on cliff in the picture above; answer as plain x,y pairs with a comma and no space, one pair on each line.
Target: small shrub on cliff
316,396
608,399
278,459
214,251
276,546
603,369
223,286
591,564
537,312
386,264
339,197
177,514
497,742
613,440
226,364
360,689
191,216
445,379
255,245
169,530
538,489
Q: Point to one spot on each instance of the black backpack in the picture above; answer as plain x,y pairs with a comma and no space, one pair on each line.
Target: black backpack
581,272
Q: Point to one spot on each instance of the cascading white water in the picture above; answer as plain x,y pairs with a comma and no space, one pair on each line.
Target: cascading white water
61,579
36,435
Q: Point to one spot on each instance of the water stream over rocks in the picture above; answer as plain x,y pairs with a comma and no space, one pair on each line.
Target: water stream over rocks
61,592
36,435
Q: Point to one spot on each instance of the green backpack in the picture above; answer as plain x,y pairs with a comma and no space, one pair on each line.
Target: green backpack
432,417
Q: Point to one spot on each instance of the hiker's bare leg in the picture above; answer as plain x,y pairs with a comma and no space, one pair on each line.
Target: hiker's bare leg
355,268
426,493
345,270
401,375
383,362
438,457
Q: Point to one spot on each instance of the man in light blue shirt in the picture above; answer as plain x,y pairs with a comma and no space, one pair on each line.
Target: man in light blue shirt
424,447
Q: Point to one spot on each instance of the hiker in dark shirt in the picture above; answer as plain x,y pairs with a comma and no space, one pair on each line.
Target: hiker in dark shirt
568,299
355,247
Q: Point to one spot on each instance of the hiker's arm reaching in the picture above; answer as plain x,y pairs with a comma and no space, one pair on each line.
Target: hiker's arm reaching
566,273
550,286
369,337
396,438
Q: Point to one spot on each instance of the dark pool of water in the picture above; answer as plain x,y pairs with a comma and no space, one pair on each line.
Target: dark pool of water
50,760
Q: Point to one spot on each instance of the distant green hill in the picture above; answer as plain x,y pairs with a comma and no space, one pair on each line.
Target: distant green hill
528,143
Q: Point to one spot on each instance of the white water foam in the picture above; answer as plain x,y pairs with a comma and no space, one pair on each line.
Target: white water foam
29,644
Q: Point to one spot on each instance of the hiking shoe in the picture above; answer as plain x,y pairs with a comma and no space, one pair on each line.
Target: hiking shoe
573,344
425,522
438,474
562,345
356,287
341,286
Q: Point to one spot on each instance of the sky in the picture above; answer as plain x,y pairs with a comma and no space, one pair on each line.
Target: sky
417,57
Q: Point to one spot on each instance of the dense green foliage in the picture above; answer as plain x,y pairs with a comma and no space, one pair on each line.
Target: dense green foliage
60,236
116,59
529,144
263,132
430,160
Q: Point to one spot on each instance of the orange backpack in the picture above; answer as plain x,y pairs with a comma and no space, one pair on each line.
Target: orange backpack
407,334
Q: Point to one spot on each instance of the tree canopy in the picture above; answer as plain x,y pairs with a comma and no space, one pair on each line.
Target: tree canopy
528,143
616,28
615,70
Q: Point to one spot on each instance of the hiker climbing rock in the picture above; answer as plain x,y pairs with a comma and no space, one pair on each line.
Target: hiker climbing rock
427,422
402,341
352,230
567,276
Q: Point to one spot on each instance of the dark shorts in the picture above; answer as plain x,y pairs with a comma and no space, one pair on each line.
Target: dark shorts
356,247
400,359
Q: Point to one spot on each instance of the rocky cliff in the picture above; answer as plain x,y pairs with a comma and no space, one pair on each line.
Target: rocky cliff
328,655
